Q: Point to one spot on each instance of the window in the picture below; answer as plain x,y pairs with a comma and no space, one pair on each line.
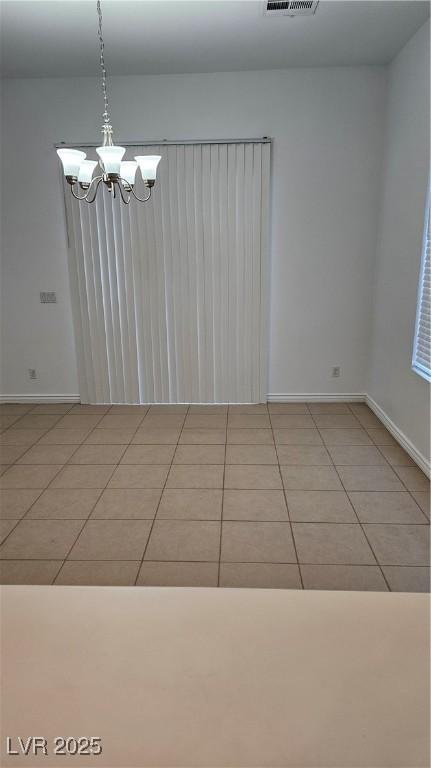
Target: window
422,345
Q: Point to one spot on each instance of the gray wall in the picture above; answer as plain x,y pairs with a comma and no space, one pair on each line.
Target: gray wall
327,126
402,393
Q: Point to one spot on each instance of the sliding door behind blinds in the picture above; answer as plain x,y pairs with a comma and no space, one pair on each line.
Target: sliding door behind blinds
169,297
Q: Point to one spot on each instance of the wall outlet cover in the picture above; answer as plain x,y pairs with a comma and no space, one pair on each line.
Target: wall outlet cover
48,297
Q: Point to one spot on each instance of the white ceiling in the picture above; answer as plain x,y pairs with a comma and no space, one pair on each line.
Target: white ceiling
57,38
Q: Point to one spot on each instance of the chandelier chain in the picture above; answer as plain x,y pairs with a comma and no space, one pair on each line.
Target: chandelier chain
106,116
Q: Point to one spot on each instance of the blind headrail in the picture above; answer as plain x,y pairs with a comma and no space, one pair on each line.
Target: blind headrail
160,142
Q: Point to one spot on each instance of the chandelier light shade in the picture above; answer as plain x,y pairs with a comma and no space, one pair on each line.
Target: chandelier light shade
111,159
128,170
148,166
71,159
117,174
86,171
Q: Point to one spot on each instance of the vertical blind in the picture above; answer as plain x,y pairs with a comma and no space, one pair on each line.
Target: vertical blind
422,345
169,297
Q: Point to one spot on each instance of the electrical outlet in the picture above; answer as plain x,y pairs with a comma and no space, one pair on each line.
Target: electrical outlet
32,373
336,372
48,297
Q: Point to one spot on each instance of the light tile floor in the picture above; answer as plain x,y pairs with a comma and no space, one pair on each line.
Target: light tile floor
288,495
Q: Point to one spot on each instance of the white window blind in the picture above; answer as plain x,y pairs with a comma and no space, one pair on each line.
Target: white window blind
422,344
169,298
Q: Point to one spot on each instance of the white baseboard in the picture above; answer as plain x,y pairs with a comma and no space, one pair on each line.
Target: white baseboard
313,397
40,398
399,436
317,397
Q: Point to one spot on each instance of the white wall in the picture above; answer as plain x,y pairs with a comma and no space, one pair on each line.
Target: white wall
327,126
398,390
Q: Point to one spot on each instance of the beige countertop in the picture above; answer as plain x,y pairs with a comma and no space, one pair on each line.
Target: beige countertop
206,677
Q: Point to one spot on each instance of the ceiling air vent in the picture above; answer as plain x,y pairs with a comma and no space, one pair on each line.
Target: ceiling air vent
290,8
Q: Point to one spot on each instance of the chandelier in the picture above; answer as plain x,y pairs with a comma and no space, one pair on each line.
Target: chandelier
117,174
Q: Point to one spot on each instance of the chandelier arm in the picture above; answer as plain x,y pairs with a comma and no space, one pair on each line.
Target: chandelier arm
87,200
141,199
125,200
78,197
97,179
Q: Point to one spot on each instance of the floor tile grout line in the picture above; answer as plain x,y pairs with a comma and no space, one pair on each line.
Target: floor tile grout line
59,417
398,445
36,489
362,527
161,495
86,521
231,562
3,541
83,525
222,509
62,413
96,487
158,504
78,535
394,467
426,522
400,479
33,503
30,447
194,487
14,421
287,506
103,444
203,519
45,432
57,573
69,462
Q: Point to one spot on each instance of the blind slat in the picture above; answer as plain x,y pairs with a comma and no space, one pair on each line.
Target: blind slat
422,345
